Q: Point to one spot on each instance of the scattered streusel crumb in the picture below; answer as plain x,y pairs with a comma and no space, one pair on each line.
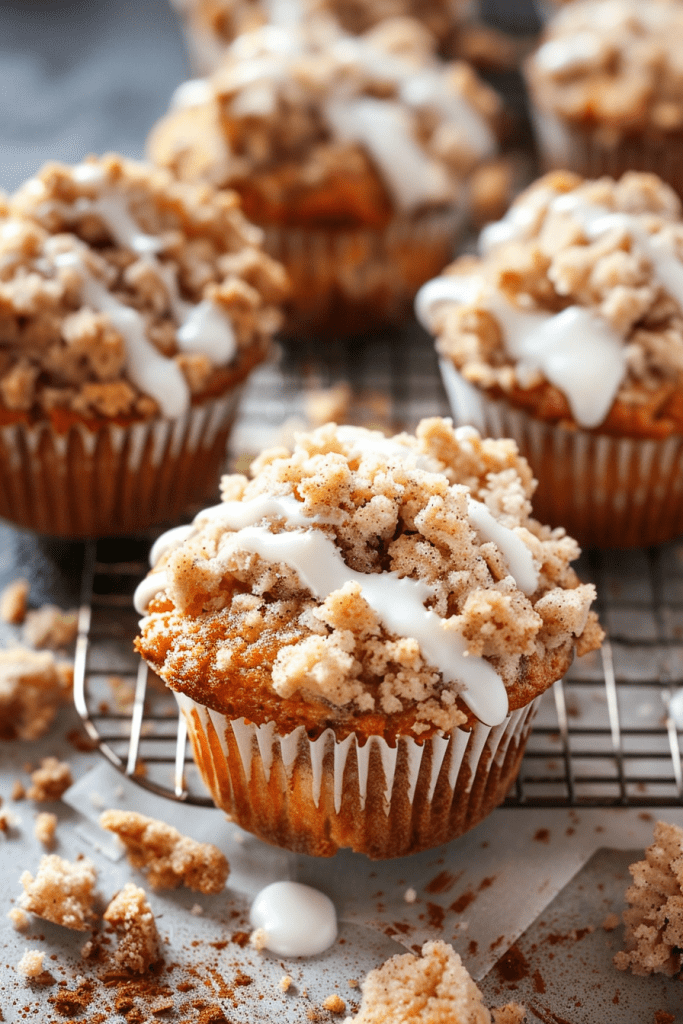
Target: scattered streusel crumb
410,895
7,820
162,1004
18,790
14,601
328,405
196,910
353,983
20,920
45,828
131,915
654,919
61,892
87,949
31,963
50,780
259,939
334,1003
32,686
170,858
512,1013
51,627
285,983
611,922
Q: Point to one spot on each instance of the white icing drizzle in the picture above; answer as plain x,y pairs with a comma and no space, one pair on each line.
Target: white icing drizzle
429,88
571,53
294,919
149,588
517,554
167,542
207,330
193,93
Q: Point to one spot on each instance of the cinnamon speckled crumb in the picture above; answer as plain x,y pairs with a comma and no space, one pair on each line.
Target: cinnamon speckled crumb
13,602
131,916
31,964
285,983
334,1003
50,627
32,687
45,828
62,891
50,780
259,939
20,920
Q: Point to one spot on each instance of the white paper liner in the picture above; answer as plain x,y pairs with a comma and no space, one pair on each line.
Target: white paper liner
606,491
457,763
345,280
115,478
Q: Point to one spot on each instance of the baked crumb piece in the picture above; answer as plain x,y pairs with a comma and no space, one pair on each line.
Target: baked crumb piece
334,1003
87,949
434,988
51,627
20,920
170,858
32,686
50,780
18,790
196,910
131,916
45,828
328,405
512,1013
61,892
31,963
654,919
352,982
285,983
611,922
259,939
162,1004
13,602
410,895
7,820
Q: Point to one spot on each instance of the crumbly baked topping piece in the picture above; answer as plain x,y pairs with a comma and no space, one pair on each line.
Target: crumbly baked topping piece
612,66
241,632
110,267
31,963
19,918
169,858
13,602
654,919
32,686
612,250
317,127
62,891
131,916
434,988
45,828
50,780
50,626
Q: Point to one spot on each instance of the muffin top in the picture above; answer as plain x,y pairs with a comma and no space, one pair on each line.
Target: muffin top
613,65
126,295
313,126
387,586
574,307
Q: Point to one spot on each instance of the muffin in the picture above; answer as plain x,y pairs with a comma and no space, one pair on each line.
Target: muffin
359,634
606,89
566,333
133,309
211,25
352,152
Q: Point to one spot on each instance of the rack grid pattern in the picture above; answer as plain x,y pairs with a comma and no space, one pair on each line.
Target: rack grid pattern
609,734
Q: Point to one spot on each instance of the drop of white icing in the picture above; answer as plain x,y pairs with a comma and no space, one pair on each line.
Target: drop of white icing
517,554
193,93
168,542
207,330
297,919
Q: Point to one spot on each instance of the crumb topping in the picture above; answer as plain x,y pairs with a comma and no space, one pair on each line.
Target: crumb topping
612,66
50,780
51,627
245,635
169,858
131,916
14,601
654,919
109,267
314,126
32,687
609,253
62,891
45,828
433,988
31,963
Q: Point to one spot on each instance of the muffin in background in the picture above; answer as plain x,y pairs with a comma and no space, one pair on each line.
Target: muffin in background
358,636
133,309
605,86
352,152
566,333
211,25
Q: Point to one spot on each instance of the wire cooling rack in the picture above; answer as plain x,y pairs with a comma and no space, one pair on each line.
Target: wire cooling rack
609,734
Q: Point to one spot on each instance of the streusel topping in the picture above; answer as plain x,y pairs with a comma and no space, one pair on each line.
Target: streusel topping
363,576
574,305
613,66
124,294
295,113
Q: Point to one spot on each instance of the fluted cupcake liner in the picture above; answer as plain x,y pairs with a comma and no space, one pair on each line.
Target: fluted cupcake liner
113,479
606,491
317,796
346,281
564,146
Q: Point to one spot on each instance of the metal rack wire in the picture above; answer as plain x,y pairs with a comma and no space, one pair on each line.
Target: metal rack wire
609,734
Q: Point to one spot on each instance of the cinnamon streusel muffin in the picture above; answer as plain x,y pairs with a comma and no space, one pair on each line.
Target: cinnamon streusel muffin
358,635
132,309
606,92
566,333
352,152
